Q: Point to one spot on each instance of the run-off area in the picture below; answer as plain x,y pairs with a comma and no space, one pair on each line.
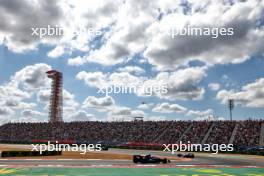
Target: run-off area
133,171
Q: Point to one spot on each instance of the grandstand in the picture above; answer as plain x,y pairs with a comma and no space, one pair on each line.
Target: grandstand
240,133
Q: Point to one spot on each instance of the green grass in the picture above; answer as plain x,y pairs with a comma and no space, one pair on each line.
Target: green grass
133,171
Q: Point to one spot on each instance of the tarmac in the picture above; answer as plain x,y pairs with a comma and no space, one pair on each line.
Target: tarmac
204,164
200,160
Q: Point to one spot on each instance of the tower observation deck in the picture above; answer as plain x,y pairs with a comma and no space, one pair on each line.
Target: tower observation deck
55,107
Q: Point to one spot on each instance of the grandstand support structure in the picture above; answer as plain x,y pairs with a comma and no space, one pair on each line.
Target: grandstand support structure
208,133
185,132
261,140
232,138
55,107
161,135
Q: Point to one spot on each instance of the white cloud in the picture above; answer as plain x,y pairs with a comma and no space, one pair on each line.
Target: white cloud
10,91
214,86
145,106
28,120
18,18
102,80
43,96
125,79
204,113
18,105
140,27
5,111
76,61
113,111
250,95
109,55
32,76
69,99
132,69
124,113
75,18
155,118
181,84
102,103
80,115
23,85
31,113
224,95
93,79
136,28
126,37
164,51
56,52
169,108
6,114
132,28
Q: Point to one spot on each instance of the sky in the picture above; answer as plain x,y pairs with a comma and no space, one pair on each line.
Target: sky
129,44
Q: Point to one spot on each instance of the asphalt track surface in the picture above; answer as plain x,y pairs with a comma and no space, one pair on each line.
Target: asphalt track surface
201,160
203,164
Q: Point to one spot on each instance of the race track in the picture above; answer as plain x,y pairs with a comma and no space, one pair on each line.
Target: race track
201,160
203,164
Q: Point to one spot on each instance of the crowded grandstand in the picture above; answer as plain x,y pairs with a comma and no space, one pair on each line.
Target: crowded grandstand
239,133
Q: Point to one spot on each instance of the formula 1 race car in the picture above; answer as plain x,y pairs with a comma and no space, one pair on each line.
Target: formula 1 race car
187,155
149,159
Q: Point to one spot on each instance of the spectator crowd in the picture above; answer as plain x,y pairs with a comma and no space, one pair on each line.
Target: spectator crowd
247,132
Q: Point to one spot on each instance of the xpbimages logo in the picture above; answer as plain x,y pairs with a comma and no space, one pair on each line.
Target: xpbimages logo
183,147
57,31
135,89
82,148
213,32
41,32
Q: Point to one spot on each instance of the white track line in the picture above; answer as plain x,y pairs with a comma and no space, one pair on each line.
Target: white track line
43,165
251,166
39,159
102,165
140,165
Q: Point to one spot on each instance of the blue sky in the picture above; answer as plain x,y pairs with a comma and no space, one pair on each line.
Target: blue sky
133,49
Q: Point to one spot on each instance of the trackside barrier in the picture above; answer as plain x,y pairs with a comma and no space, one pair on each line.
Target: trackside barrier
29,153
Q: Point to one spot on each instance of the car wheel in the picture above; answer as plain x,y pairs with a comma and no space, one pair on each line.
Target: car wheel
135,160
